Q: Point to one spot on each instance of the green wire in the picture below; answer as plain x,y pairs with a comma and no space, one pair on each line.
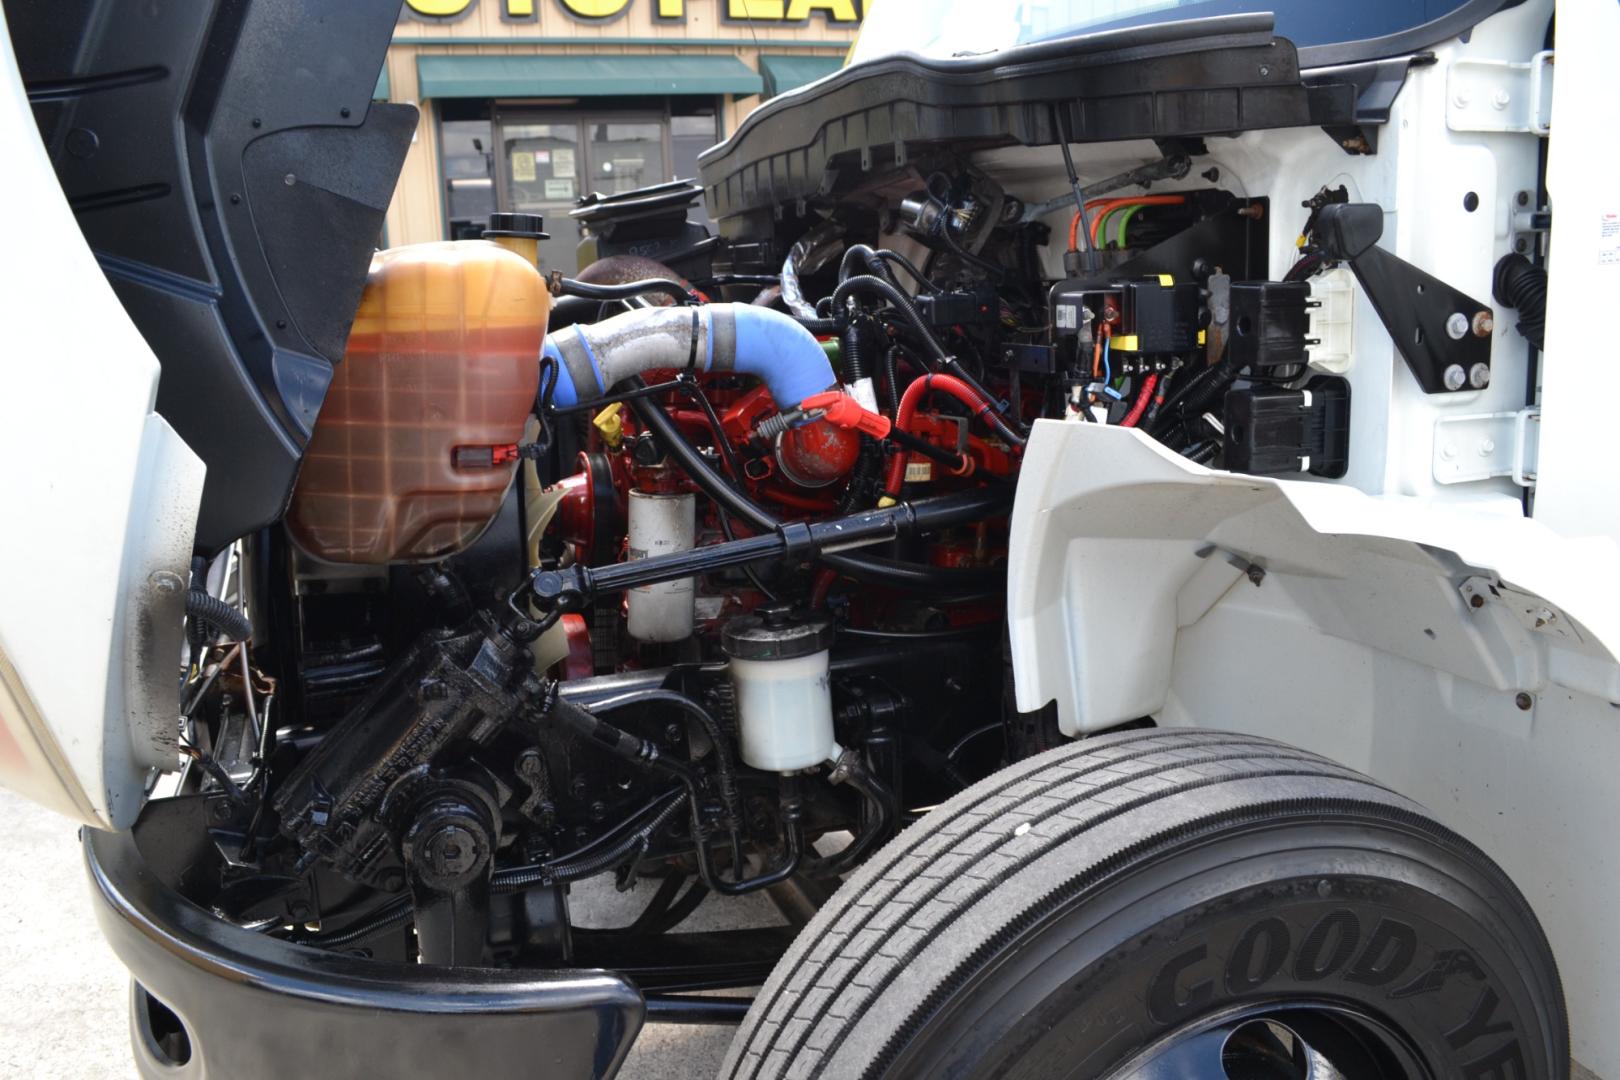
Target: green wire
1129,212
1102,226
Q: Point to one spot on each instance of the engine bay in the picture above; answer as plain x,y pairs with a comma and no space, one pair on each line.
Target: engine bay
691,571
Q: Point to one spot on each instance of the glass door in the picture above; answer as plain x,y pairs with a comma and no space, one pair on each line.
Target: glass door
625,153
550,157
542,174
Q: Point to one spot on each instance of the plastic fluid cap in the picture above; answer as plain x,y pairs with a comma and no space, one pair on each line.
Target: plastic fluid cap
516,224
772,633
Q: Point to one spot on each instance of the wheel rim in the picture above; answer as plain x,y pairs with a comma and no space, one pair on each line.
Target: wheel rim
1282,1040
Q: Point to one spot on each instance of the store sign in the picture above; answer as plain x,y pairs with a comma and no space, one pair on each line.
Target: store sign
836,12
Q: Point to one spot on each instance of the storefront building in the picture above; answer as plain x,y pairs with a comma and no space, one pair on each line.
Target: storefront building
527,105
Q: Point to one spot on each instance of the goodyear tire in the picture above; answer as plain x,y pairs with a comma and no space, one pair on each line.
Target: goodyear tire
1167,903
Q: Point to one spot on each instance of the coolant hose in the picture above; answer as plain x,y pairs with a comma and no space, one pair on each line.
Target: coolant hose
907,412
592,359
1520,283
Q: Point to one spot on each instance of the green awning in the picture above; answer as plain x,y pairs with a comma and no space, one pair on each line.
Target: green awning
581,76
381,93
784,73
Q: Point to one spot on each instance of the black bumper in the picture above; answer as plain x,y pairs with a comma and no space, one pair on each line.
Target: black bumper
245,1006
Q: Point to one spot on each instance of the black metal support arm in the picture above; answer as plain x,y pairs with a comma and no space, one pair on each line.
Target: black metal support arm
573,587
1443,334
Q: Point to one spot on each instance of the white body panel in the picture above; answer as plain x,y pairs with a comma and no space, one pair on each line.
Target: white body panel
1420,175
1342,617
100,500
1132,595
1578,493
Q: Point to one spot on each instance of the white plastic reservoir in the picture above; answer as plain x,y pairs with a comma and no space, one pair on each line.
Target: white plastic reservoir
780,669
661,525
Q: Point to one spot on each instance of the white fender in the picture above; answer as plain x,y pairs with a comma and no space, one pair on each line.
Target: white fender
1467,660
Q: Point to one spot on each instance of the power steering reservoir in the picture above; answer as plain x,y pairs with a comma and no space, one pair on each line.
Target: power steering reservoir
780,669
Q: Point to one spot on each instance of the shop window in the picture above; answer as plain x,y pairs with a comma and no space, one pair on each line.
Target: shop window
545,156
626,154
689,135
467,157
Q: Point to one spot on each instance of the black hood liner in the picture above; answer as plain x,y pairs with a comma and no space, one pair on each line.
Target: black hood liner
230,172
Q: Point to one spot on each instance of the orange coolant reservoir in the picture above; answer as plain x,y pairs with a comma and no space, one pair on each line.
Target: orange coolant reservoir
410,456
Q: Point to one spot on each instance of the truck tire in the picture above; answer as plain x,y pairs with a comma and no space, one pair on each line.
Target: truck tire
1166,903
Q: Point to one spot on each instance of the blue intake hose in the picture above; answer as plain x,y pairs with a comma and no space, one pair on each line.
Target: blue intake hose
751,340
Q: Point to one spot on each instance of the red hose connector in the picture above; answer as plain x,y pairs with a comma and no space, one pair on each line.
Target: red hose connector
907,412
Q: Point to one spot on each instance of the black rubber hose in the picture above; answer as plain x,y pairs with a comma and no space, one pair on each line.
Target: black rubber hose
567,868
573,287
821,327
1193,395
864,255
673,914
902,303
1519,283
632,846
568,310
724,767
891,378
868,283
868,568
877,263
645,754
387,918
861,482
520,876
854,352
887,256
634,749
214,612
885,812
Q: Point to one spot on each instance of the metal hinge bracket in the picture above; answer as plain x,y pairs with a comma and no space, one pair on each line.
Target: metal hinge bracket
1496,95
1479,446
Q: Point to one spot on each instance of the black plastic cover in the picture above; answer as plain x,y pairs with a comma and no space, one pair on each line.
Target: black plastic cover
1163,318
1275,430
1270,321
1171,80
978,307
229,170
651,222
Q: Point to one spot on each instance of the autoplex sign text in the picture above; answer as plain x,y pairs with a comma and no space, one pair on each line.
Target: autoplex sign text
842,12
